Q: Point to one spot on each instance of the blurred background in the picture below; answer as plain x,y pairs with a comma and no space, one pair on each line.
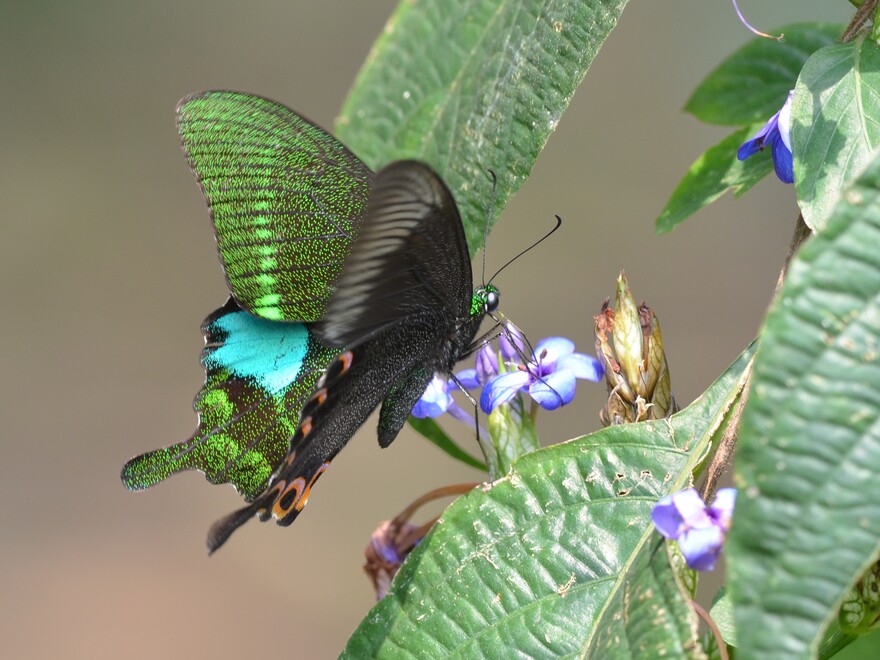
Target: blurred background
108,267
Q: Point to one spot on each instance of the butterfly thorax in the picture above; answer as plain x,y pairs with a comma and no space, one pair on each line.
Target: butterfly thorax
485,300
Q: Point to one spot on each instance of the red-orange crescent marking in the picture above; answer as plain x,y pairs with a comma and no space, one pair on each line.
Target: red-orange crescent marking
303,498
346,359
320,396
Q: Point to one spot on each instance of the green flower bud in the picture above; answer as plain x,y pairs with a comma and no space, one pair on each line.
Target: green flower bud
630,346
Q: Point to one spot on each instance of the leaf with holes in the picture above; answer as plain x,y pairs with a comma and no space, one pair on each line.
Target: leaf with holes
558,557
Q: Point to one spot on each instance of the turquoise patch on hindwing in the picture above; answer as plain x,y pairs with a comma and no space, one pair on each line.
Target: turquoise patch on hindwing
269,353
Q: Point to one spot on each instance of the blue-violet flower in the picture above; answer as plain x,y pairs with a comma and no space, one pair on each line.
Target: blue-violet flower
549,378
437,400
775,134
699,530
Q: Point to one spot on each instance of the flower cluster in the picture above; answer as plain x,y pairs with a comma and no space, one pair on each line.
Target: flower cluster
549,376
699,530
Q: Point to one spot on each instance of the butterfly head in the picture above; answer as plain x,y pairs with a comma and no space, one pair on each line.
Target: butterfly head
486,300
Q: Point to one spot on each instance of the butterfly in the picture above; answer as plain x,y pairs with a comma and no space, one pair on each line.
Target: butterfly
349,290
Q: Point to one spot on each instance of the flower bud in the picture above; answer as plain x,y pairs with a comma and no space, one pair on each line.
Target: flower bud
630,346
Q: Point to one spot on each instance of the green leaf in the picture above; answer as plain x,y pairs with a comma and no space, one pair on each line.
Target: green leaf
647,615
559,557
687,577
752,84
859,649
431,430
722,614
835,127
807,521
469,85
713,174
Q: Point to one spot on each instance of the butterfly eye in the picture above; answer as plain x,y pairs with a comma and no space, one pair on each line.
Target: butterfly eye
493,299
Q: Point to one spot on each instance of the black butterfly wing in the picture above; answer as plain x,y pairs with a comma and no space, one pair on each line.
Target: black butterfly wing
404,288
399,402
410,259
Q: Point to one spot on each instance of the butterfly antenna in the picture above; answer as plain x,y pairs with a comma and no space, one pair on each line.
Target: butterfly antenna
533,245
489,213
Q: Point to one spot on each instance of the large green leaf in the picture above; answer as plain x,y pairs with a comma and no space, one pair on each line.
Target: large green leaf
469,85
559,557
753,83
807,519
713,174
835,127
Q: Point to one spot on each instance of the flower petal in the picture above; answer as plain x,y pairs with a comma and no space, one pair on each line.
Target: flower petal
783,162
554,390
468,378
435,400
502,389
556,347
487,364
461,414
583,366
667,518
784,121
750,148
758,140
722,508
701,547
692,508
511,343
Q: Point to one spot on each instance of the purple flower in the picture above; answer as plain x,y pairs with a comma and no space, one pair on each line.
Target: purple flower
437,400
390,545
775,134
699,530
511,343
549,378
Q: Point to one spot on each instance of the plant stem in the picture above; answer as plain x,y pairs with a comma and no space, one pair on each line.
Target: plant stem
863,13
727,445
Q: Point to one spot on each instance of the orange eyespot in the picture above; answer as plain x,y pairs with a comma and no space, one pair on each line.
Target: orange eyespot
289,498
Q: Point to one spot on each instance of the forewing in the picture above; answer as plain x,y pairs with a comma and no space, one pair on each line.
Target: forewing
410,259
286,199
259,374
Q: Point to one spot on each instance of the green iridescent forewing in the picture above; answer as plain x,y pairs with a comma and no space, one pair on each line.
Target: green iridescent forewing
259,374
286,199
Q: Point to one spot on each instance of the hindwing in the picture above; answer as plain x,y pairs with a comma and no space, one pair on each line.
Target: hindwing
258,374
